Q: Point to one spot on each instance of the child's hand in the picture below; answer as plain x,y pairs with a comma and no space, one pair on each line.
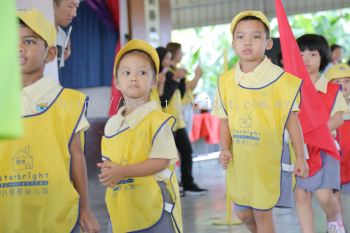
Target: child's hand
198,71
179,74
161,77
301,168
224,157
110,174
87,221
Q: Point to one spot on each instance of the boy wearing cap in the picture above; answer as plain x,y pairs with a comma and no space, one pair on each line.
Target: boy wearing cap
43,183
139,151
258,101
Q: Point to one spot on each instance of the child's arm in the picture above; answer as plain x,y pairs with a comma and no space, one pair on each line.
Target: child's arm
225,142
295,132
87,220
335,121
191,85
161,82
112,173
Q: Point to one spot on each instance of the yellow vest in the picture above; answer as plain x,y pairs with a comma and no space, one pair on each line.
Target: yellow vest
187,98
174,108
257,120
136,203
36,191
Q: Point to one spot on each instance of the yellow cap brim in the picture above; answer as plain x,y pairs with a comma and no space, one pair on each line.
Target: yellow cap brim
42,26
338,71
139,45
244,14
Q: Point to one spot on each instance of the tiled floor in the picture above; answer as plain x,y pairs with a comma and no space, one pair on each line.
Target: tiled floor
200,213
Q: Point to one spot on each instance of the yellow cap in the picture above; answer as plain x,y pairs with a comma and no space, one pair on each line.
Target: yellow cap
338,71
244,14
139,45
42,26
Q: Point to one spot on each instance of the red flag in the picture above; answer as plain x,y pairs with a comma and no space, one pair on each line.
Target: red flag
113,7
313,114
115,93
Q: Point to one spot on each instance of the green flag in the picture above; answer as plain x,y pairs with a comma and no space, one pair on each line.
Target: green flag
10,79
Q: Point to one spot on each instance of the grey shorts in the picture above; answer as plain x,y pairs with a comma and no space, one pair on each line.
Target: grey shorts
345,188
165,223
328,177
286,199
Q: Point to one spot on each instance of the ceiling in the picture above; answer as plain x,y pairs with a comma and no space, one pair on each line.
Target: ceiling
194,13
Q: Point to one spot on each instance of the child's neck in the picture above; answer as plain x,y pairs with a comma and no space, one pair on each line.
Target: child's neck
247,66
315,77
132,105
29,79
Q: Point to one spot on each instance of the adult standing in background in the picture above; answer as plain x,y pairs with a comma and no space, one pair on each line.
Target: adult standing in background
65,11
174,90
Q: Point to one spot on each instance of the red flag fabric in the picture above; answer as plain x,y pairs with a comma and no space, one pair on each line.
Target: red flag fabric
115,93
113,7
313,115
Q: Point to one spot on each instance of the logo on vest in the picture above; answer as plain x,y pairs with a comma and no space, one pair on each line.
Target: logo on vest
41,107
22,160
245,121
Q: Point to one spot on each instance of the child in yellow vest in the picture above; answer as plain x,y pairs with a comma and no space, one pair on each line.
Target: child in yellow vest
257,103
324,175
43,182
139,151
340,74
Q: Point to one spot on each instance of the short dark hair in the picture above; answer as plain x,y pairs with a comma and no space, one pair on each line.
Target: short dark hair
334,47
138,52
316,42
23,24
250,17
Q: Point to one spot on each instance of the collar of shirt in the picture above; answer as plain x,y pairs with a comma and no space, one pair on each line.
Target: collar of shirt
322,84
262,75
132,120
346,115
39,89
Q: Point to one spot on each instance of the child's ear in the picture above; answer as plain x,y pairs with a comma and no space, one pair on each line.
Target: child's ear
116,83
50,55
269,44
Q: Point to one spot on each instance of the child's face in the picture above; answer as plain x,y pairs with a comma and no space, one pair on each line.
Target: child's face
345,85
32,50
336,55
312,61
65,11
249,40
178,56
135,76
166,62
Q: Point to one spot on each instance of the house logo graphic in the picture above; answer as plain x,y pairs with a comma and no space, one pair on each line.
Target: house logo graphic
245,121
22,160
